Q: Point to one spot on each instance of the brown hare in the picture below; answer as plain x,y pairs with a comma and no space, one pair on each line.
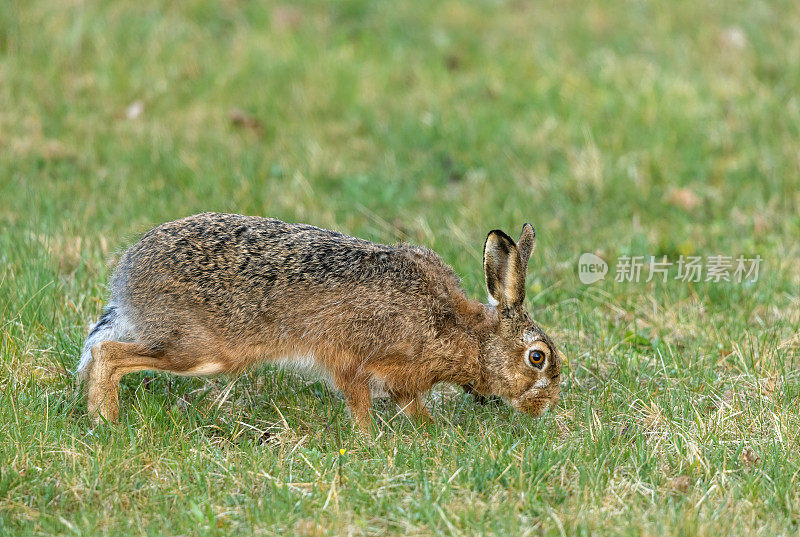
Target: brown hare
216,293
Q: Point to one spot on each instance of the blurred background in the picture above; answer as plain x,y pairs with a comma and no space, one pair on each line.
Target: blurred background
622,128
615,127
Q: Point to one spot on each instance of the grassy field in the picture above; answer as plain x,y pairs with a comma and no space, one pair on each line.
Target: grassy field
619,128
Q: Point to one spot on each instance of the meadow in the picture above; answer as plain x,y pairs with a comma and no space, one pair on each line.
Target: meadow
618,128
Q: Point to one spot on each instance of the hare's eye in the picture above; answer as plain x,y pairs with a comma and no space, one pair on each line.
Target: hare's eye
536,357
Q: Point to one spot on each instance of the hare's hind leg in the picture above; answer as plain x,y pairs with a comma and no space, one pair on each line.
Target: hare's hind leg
110,361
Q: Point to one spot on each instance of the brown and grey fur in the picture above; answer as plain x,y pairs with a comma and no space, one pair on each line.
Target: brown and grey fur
216,293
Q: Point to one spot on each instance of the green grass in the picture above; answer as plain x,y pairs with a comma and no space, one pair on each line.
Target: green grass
621,128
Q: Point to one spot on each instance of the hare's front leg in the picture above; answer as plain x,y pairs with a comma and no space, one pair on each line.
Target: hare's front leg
110,361
412,405
357,394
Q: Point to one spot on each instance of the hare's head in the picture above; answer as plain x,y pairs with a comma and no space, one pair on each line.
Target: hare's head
522,364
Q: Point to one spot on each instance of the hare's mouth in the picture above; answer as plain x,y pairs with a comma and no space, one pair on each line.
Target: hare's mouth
536,402
543,410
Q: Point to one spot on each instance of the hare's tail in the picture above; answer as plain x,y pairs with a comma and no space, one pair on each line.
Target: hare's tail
110,326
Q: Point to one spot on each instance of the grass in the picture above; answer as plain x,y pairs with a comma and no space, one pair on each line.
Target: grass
620,128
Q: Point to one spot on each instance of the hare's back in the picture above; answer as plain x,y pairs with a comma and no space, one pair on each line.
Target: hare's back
229,279
217,258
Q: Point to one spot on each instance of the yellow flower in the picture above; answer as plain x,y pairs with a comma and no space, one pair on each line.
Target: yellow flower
342,451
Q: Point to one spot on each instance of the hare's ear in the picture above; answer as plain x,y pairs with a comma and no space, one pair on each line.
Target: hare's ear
526,244
505,275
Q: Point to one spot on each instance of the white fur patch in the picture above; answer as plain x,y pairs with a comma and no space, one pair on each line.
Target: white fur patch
208,368
377,388
542,383
529,337
123,328
306,364
492,300
119,328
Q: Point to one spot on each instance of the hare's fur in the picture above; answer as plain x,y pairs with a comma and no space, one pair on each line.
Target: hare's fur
216,293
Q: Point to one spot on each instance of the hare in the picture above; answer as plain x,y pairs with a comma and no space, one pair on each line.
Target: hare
215,293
